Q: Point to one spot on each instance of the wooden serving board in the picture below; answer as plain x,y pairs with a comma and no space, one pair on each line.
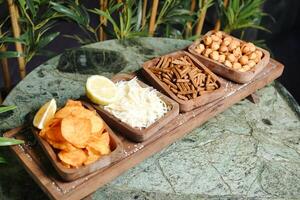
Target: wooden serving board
38,166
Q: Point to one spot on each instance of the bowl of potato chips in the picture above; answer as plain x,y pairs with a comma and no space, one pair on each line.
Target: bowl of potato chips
77,141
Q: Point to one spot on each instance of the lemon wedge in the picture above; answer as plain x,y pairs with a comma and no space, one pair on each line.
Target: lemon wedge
100,90
45,113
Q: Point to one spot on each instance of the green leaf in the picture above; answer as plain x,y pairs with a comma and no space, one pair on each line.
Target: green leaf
108,17
9,141
7,108
2,160
115,7
22,3
11,40
10,54
139,16
30,4
78,38
45,40
68,12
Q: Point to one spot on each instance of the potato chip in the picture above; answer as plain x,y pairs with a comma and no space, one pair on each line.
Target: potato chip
52,131
73,103
76,130
68,111
97,122
100,143
48,125
92,156
65,164
74,158
61,145
78,133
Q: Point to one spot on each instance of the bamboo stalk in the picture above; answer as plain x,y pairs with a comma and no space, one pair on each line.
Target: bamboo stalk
5,71
189,24
144,12
218,23
103,21
14,16
201,19
153,17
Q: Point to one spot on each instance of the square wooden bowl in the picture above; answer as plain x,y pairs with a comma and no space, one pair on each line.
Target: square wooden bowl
226,72
191,104
136,134
70,174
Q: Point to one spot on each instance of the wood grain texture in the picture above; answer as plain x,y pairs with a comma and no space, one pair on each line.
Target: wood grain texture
70,174
136,134
226,72
191,104
38,166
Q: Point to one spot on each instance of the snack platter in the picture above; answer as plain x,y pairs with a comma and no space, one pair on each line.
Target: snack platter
135,149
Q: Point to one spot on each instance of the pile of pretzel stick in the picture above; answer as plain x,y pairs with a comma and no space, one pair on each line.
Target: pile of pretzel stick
183,78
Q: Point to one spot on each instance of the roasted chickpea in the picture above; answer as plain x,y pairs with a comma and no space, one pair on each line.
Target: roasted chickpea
228,63
252,56
244,60
214,55
206,52
245,49
251,63
200,48
223,49
236,42
222,58
232,46
237,52
207,40
215,38
251,46
236,65
257,59
246,67
231,58
215,46
259,53
227,40
219,34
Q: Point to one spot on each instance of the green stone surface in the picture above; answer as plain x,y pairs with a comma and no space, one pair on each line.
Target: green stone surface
248,151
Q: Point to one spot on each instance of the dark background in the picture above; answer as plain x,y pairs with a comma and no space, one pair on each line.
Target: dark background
283,42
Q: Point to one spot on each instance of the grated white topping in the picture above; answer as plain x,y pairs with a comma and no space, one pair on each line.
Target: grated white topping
137,106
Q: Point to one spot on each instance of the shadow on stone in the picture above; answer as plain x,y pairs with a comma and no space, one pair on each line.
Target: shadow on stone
91,61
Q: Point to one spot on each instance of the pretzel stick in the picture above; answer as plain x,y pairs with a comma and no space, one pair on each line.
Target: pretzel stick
160,62
169,83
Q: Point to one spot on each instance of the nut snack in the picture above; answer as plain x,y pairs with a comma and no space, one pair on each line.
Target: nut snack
241,56
183,78
237,56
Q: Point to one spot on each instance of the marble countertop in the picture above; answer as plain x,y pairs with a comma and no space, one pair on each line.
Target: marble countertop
248,151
